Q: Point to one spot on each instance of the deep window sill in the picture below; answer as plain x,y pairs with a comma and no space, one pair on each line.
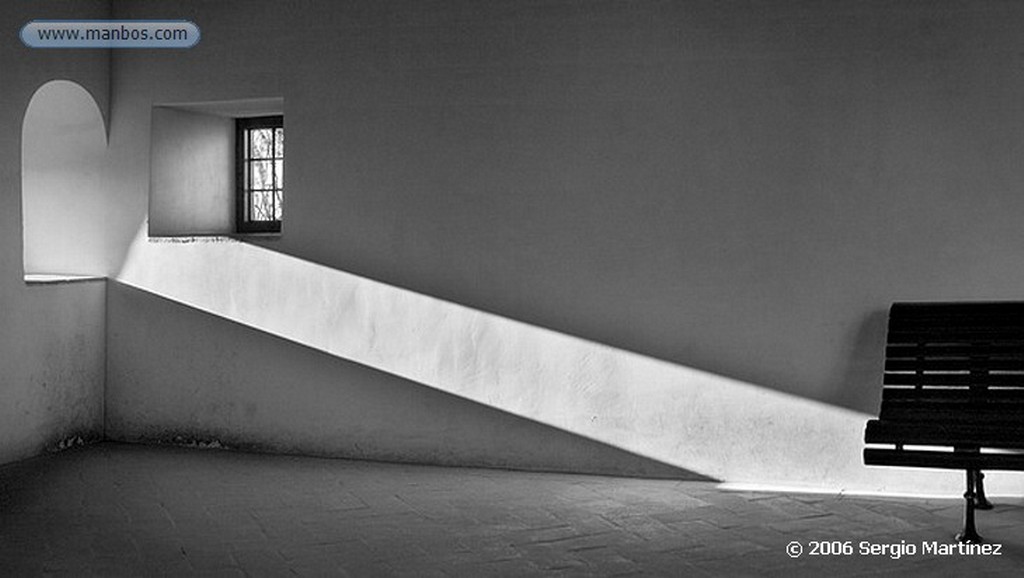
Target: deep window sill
275,235
213,238
57,279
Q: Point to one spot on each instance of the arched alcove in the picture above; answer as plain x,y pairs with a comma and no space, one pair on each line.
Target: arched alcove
63,157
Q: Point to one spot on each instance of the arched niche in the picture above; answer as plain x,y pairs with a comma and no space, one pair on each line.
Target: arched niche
63,157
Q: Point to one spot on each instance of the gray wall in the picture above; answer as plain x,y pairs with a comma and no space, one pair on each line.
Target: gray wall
740,187
181,375
737,187
192,174
52,336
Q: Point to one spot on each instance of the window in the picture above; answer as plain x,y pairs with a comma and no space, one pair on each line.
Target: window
260,174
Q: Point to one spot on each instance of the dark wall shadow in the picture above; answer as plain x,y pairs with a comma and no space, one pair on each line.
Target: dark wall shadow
180,375
861,385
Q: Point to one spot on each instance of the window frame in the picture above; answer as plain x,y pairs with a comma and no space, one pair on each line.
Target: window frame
243,225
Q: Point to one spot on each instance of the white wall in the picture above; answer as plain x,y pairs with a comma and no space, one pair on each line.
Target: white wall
52,344
738,188
54,357
192,173
180,375
270,367
64,154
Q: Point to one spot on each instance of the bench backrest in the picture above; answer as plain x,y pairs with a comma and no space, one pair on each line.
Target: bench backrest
954,376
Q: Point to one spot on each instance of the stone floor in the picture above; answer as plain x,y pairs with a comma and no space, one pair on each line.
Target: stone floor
122,510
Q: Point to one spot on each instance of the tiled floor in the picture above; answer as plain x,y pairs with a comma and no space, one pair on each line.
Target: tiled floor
120,510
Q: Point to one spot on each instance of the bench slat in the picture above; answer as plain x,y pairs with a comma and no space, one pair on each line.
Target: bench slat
943,434
962,335
1002,349
955,364
949,413
954,379
968,309
944,460
953,395
992,317
994,321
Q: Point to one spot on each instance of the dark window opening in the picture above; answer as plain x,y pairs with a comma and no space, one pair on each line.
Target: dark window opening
260,174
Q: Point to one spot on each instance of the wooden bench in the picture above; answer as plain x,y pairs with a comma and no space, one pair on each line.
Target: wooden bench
953,394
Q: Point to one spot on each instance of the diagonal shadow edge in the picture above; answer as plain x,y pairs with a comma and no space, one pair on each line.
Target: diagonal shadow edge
719,427
504,440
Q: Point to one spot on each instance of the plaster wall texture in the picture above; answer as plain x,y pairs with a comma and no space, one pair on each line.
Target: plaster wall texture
180,375
739,188
698,422
192,173
53,351
52,344
64,146
743,187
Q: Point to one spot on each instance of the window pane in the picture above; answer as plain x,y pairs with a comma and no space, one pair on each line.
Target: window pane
262,206
262,178
261,186
261,142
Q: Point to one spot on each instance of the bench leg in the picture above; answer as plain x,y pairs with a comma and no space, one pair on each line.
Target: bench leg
981,502
969,534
